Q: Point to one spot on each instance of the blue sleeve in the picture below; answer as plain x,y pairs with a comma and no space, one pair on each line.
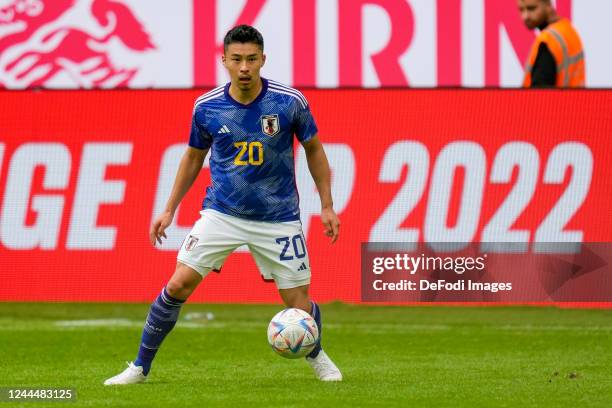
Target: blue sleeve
199,137
304,124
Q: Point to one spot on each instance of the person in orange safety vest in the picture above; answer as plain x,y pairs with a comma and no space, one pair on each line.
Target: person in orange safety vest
556,58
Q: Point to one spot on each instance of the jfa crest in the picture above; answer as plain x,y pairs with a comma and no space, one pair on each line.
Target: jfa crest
191,243
270,125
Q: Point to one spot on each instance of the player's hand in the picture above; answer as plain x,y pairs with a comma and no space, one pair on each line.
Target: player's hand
331,222
158,227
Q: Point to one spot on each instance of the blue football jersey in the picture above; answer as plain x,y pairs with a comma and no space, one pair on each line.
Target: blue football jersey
251,150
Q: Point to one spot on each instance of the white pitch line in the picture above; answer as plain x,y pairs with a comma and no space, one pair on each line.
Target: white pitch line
362,327
115,323
553,328
94,322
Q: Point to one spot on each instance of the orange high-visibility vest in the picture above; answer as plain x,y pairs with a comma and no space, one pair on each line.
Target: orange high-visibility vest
564,44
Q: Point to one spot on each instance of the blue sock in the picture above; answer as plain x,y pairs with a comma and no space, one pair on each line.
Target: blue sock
316,314
162,317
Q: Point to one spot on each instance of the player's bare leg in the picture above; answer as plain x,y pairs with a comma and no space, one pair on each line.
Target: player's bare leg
323,366
297,297
183,282
161,319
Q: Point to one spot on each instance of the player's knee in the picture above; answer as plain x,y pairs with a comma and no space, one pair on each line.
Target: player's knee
183,282
178,289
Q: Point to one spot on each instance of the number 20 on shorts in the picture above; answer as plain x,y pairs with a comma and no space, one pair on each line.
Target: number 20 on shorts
299,248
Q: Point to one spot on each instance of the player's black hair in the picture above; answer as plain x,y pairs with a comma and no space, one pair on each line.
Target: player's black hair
243,34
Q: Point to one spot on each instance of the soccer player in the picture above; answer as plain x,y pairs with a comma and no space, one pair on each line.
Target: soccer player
556,58
248,124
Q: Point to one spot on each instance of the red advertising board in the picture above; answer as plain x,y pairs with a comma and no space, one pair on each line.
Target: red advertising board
82,174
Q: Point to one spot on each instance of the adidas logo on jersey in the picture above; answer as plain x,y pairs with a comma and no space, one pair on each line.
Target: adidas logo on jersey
224,129
302,267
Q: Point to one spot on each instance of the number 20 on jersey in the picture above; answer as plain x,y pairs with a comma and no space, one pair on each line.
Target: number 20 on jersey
248,154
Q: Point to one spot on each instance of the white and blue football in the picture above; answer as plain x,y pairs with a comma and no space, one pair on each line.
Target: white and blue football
293,333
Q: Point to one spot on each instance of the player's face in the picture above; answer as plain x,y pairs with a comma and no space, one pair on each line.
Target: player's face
534,12
243,62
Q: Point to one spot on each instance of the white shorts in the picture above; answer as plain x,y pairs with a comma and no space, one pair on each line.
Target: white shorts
279,248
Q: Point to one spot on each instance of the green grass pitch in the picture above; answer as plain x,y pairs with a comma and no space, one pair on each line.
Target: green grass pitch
390,356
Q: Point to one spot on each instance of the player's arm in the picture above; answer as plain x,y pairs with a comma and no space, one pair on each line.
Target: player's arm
319,169
189,168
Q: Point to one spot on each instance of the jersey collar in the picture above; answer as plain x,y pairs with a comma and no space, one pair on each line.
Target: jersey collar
264,89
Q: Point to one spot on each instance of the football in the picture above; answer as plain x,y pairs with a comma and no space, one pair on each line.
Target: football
293,333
